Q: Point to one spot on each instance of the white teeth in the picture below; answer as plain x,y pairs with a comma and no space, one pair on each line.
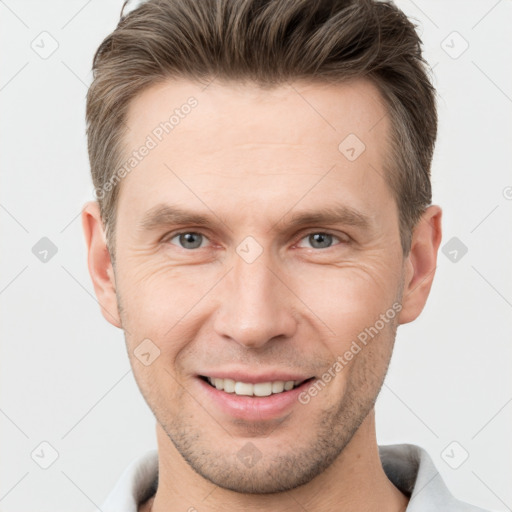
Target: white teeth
262,389
229,385
243,388
248,389
278,386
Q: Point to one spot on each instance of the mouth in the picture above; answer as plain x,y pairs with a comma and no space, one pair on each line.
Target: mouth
248,389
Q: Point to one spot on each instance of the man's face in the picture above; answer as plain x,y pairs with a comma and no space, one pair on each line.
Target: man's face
251,294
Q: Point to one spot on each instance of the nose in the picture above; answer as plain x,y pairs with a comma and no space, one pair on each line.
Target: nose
256,306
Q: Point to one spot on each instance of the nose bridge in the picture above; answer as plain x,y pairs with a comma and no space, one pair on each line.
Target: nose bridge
254,305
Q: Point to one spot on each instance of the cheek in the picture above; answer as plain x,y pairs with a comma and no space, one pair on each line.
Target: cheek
156,291
160,385
362,355
166,306
348,298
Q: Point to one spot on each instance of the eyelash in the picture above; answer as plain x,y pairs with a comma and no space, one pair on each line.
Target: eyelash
170,236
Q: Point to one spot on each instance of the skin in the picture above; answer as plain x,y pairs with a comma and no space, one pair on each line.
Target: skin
252,159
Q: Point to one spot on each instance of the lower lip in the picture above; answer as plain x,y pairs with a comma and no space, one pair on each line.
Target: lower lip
253,408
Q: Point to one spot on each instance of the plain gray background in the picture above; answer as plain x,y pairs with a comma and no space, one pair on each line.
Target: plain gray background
65,375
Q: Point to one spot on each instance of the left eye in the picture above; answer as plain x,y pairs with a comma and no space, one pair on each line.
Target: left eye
189,240
320,240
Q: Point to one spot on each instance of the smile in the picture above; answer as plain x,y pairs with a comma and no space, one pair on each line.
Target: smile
260,389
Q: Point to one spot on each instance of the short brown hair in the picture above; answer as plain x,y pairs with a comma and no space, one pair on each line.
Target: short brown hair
268,42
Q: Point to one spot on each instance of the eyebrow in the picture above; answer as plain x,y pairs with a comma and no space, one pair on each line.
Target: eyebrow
338,214
166,215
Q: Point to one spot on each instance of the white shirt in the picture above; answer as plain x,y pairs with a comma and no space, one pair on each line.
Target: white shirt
409,467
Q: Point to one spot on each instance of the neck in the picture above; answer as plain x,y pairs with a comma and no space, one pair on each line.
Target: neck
355,481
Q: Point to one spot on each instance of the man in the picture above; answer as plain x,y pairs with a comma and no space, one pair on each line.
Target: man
263,225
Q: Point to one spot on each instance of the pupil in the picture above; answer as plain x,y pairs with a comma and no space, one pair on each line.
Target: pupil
187,240
321,238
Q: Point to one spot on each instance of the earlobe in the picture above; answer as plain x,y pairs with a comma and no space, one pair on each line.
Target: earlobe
99,263
421,263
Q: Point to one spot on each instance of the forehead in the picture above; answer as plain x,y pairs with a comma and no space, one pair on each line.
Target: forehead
228,137
228,113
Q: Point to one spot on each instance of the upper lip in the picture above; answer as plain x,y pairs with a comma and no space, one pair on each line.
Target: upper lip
255,378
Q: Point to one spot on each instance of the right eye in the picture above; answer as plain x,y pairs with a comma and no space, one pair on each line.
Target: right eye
188,240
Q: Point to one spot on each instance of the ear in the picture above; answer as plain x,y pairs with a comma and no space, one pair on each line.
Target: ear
421,263
99,263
